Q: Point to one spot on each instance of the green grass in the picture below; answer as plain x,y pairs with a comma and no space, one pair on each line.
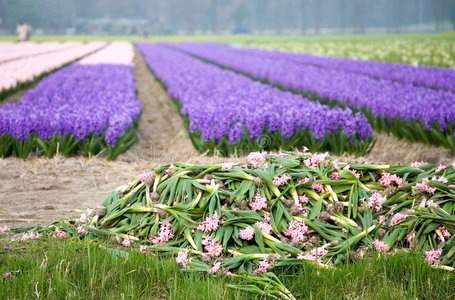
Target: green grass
71,269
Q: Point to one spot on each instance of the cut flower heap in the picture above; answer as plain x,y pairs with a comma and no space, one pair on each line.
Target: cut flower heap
241,223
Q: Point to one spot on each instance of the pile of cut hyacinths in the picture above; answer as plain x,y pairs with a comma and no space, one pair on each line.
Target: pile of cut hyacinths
280,210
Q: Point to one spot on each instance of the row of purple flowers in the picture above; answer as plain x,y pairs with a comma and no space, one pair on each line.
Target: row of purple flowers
81,108
430,77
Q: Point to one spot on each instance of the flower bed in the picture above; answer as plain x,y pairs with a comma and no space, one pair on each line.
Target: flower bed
231,113
430,77
12,50
17,73
414,113
79,109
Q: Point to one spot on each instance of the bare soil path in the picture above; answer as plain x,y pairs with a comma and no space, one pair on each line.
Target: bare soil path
40,190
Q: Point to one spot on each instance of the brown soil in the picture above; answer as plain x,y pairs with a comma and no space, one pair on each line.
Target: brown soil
40,190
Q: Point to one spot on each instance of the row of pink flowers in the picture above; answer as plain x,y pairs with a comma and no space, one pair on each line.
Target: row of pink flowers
119,53
28,68
10,50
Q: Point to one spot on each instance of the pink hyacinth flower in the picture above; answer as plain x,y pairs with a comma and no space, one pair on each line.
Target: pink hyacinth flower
145,176
164,235
210,223
126,242
227,166
247,233
182,259
257,159
375,202
380,246
259,202
4,229
296,230
432,257
215,268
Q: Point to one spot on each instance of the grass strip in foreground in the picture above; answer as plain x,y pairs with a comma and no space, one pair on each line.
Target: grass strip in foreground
62,269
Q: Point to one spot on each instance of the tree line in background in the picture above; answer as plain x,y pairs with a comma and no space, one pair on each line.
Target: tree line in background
227,16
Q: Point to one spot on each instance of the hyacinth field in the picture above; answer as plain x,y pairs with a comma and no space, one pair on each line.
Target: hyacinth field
259,173
87,107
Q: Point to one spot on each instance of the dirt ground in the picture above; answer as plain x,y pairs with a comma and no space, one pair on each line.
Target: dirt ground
40,190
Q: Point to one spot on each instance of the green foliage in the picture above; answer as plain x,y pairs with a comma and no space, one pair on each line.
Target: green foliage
66,145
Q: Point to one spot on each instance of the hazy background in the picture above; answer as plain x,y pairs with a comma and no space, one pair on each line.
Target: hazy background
179,17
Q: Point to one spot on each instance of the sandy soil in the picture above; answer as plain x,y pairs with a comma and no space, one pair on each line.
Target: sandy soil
40,190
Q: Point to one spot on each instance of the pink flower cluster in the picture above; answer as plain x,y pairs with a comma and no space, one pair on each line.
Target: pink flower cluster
165,234
303,212
227,166
259,202
387,179
397,218
182,259
265,264
417,164
335,164
265,227
440,168
86,215
314,160
431,203
211,247
410,238
360,254
303,180
318,187
303,199
433,256
440,179
247,233
81,230
210,223
257,159
27,236
314,255
126,242
380,246
7,275
375,202
4,229
354,172
445,233
296,230
145,176
281,180
424,187
59,233
335,176
215,268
